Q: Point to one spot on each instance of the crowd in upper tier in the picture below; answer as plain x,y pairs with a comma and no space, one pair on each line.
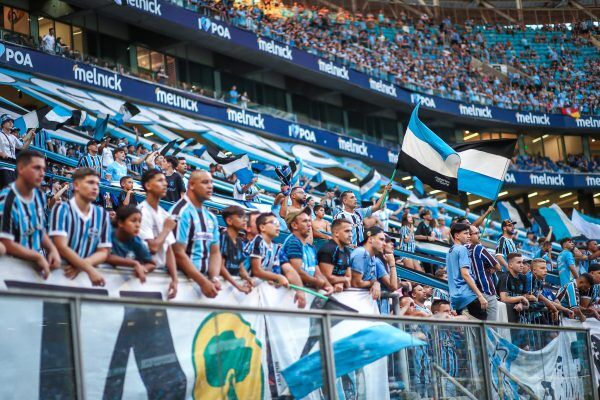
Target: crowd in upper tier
574,163
550,69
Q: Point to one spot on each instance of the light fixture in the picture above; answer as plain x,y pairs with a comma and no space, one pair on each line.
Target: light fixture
435,191
467,132
353,180
544,136
543,202
530,195
442,200
475,202
148,134
562,196
576,202
503,193
471,136
597,194
40,18
409,187
406,178
77,33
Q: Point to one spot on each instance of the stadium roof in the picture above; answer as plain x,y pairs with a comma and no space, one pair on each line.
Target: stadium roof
482,11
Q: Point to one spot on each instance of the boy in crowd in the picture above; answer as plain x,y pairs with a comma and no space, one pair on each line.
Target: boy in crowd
232,249
568,296
157,226
506,245
127,196
513,288
23,215
589,300
128,249
80,230
567,269
196,244
334,256
265,261
300,253
91,159
320,226
117,169
175,186
366,272
464,293
424,230
538,278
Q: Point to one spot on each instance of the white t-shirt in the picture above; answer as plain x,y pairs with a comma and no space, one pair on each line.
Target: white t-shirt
152,224
49,42
107,156
9,145
238,193
384,216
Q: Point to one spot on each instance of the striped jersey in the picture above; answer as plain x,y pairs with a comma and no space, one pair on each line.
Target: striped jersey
356,218
41,139
197,229
568,295
593,294
23,221
268,253
440,294
85,233
505,246
232,252
90,161
481,264
407,232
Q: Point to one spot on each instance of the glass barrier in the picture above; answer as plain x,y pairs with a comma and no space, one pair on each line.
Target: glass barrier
36,349
54,347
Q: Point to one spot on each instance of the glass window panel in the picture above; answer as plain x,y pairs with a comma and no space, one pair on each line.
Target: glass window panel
574,144
533,145
553,147
78,39
16,20
63,31
143,57
157,60
44,26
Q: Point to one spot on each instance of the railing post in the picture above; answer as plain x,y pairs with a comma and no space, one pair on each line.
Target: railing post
487,381
591,366
327,351
75,312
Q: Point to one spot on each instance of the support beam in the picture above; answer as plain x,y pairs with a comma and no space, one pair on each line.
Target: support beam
489,6
582,8
519,5
407,7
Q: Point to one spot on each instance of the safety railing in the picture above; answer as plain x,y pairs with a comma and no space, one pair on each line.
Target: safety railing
86,346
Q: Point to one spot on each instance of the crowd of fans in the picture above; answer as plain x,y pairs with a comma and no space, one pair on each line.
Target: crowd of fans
436,58
574,163
71,223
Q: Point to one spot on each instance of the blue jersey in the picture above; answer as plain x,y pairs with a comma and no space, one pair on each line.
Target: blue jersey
364,263
505,246
197,229
90,161
232,253
407,232
293,248
267,253
41,139
23,221
461,294
565,259
85,233
116,171
568,295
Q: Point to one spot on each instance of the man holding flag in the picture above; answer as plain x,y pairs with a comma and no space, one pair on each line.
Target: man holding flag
355,215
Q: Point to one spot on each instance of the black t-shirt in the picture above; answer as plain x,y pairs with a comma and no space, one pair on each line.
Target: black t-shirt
513,286
423,229
330,253
175,187
132,200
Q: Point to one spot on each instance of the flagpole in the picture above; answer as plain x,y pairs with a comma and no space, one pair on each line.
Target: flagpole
385,195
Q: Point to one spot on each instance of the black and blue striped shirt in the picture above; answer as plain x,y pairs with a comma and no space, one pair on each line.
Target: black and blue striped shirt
85,233
23,221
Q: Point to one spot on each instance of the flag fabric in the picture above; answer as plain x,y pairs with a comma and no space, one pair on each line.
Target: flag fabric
369,185
78,118
165,148
127,111
182,144
350,353
511,211
483,165
571,112
429,202
231,164
428,157
100,126
49,118
589,229
289,175
418,187
590,219
562,226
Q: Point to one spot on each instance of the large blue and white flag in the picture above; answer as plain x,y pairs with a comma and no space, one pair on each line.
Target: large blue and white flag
428,157
483,165
47,117
369,185
589,229
511,211
557,219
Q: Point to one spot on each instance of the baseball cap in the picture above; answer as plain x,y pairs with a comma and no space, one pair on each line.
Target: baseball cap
389,239
122,145
91,142
372,231
594,267
507,222
4,118
291,216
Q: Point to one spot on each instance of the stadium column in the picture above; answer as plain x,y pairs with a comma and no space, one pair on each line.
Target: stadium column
217,76
526,205
586,202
